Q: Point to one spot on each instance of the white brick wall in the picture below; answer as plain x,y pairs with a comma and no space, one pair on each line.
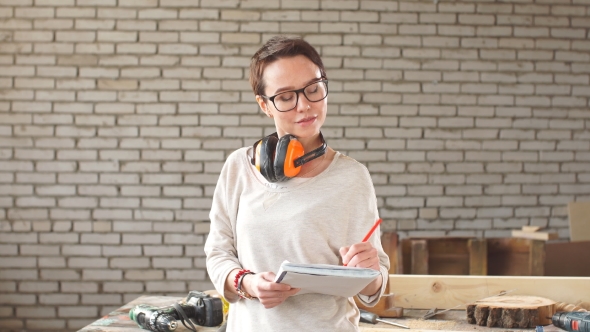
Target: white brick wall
116,116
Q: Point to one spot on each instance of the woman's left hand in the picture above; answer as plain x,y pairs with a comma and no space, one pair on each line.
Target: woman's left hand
360,254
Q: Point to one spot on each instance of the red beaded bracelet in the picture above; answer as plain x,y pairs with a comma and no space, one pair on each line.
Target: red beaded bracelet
238,284
238,276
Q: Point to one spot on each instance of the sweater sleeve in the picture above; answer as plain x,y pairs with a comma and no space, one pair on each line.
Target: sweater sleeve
375,240
220,246
371,301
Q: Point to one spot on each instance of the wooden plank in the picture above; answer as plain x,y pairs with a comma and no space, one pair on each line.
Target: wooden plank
531,228
448,256
478,256
563,259
537,258
545,236
419,257
579,219
389,242
445,256
511,256
447,291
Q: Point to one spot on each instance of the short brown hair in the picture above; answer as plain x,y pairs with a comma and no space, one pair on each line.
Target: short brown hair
276,48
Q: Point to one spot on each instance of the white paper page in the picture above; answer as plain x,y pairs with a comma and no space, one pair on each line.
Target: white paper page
352,283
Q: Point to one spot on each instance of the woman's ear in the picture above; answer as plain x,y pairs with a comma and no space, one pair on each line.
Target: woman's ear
263,106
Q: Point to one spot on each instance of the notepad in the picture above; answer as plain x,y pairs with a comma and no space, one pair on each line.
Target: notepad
325,279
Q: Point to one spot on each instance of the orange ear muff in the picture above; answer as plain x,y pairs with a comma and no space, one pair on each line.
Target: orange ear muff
281,159
294,151
288,149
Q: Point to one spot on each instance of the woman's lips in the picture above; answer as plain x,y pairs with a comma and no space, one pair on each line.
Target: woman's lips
306,120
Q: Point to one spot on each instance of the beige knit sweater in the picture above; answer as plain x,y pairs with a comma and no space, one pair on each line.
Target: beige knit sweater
256,225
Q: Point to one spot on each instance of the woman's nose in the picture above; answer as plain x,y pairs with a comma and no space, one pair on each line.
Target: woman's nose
302,103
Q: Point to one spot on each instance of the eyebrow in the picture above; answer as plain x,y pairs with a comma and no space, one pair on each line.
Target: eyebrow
315,79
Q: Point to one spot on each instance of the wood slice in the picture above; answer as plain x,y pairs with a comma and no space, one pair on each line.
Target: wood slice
507,311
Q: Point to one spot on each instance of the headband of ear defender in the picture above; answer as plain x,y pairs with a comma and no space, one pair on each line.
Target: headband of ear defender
279,159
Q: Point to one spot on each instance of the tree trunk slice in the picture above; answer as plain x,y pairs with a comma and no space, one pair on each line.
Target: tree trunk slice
511,311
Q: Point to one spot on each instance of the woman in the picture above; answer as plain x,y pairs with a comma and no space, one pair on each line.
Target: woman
314,213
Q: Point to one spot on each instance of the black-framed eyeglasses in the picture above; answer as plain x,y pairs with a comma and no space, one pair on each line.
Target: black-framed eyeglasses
287,100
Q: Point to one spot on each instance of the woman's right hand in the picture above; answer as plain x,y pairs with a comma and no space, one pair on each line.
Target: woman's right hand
268,292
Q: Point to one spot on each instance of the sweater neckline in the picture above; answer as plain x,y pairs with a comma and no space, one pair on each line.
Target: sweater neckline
290,184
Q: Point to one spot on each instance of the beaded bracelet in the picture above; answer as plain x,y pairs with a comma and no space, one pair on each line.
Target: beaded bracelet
238,284
242,292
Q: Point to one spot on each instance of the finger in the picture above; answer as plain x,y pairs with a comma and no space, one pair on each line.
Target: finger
362,259
343,250
352,251
268,284
268,276
344,254
273,299
270,303
276,287
365,258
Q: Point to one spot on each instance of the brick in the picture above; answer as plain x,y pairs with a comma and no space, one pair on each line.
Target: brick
32,12
153,215
78,202
33,36
55,190
38,286
35,312
161,84
75,36
35,178
280,16
102,299
77,311
178,25
161,155
75,12
169,263
134,25
89,143
136,48
17,70
323,27
167,286
470,19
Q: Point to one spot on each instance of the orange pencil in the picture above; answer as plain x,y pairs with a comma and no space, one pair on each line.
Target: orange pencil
371,231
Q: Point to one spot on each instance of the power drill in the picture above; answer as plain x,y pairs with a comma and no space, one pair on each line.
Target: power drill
198,307
572,321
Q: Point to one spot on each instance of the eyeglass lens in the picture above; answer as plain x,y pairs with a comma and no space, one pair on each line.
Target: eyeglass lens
287,101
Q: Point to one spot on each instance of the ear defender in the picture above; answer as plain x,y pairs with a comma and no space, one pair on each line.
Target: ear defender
288,150
267,157
279,159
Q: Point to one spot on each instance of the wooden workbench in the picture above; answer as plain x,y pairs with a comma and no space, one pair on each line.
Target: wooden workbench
119,321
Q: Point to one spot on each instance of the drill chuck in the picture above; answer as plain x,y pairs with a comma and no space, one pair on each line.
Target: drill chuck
150,318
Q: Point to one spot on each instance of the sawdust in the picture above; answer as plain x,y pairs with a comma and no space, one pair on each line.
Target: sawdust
431,324
453,320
